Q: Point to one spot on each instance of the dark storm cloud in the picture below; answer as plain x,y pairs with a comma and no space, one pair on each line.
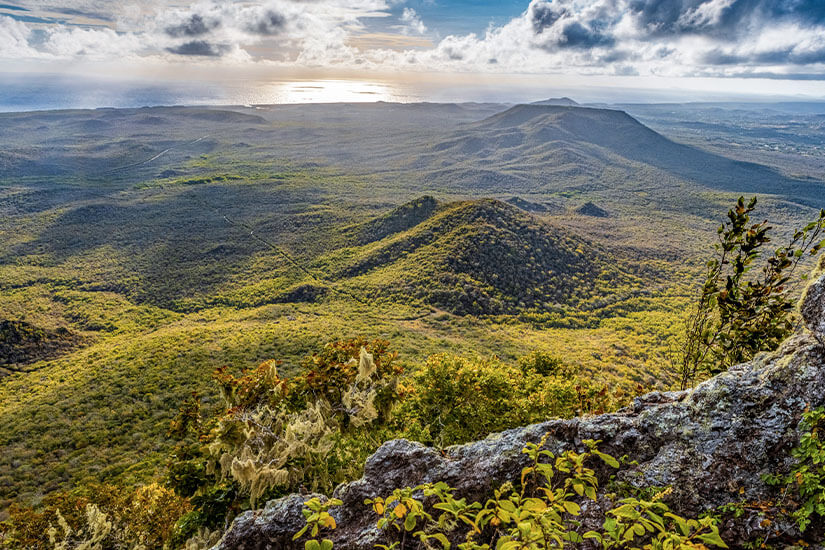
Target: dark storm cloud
200,48
194,25
268,24
558,28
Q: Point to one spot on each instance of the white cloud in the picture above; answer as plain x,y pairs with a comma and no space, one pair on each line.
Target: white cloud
645,37
93,44
14,39
412,22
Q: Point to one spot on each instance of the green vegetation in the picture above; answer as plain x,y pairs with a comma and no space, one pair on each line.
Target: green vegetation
542,512
142,249
454,400
316,429
486,257
158,315
22,343
805,483
735,317
101,516
278,434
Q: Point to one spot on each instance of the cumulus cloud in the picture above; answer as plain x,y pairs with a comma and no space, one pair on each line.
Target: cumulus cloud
14,39
268,23
92,43
611,37
193,25
654,37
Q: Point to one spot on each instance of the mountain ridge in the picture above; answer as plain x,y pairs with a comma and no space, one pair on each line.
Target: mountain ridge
582,141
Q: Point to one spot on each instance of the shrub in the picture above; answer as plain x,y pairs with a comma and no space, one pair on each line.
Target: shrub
736,316
99,516
806,480
454,400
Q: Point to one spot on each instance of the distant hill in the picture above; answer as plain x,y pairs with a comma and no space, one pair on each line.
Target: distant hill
526,205
558,101
485,257
399,219
590,209
548,144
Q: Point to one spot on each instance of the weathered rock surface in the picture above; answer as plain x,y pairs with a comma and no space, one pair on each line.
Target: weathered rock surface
813,305
711,444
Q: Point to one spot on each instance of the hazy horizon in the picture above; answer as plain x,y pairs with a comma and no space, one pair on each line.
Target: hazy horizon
32,92
124,53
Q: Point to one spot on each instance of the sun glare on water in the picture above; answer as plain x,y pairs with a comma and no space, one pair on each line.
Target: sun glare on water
330,91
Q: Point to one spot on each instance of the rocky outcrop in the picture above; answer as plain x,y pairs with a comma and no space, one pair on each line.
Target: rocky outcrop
711,444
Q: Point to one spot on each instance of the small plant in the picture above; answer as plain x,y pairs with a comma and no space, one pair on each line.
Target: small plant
317,518
652,520
543,513
404,513
806,481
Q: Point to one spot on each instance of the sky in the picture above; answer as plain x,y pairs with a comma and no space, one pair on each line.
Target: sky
769,47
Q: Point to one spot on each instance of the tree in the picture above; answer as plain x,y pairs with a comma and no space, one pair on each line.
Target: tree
738,316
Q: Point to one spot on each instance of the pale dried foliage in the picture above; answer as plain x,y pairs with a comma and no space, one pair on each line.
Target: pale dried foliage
266,446
203,539
359,399
98,527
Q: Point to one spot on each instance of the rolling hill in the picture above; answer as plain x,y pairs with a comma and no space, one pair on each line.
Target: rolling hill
22,344
480,257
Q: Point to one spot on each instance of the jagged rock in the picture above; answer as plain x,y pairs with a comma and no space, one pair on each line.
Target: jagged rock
712,445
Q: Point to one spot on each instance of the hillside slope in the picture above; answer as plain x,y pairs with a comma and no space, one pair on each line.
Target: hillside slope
22,343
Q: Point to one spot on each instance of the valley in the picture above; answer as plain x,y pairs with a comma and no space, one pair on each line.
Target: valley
148,247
